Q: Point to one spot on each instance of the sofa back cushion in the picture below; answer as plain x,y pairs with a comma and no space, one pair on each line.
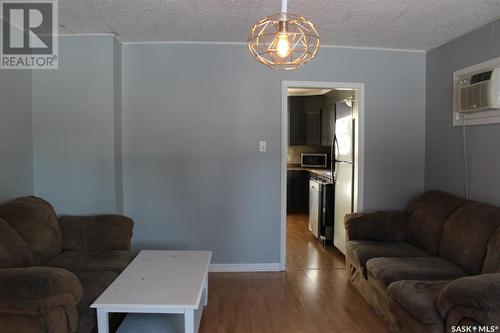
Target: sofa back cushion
465,235
35,221
492,261
13,250
428,213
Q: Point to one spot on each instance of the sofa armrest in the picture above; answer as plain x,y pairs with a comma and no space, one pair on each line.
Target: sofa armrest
96,233
382,226
36,291
479,292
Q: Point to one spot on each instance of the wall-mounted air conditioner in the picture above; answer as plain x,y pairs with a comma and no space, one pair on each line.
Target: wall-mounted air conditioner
476,94
479,91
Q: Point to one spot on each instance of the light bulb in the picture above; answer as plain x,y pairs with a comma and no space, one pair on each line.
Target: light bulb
283,45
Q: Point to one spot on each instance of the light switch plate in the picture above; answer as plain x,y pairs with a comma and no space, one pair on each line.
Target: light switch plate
262,146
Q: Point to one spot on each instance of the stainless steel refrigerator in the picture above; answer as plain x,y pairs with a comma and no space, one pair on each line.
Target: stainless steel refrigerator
343,170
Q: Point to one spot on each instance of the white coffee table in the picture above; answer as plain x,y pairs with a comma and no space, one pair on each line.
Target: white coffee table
167,282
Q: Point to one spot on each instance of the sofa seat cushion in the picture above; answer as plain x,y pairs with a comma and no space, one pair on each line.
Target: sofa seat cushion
385,271
419,298
360,252
93,284
78,261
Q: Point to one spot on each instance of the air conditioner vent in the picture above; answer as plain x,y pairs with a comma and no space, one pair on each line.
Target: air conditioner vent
477,90
485,76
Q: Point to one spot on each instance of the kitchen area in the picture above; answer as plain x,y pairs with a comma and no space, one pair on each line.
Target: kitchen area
320,173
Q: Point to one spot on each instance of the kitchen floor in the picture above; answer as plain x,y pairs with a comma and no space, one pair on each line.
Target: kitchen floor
303,251
312,295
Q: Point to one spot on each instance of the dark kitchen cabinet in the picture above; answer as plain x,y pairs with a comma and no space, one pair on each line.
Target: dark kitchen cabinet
327,124
297,191
309,121
312,107
289,191
296,126
313,127
301,194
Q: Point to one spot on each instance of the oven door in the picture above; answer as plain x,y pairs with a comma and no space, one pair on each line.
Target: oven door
314,207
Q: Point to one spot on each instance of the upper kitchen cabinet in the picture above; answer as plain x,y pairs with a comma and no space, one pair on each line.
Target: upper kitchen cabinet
313,128
327,124
310,122
296,121
330,113
313,106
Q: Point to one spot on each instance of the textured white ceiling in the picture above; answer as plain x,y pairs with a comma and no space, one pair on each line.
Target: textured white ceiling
407,24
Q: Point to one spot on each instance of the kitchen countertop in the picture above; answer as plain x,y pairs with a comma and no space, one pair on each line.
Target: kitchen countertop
327,173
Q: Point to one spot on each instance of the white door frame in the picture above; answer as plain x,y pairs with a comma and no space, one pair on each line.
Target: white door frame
359,116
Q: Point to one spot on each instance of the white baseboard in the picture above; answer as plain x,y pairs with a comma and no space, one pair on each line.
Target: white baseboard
268,267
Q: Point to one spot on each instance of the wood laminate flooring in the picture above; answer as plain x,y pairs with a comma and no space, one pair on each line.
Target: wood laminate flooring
312,295
304,251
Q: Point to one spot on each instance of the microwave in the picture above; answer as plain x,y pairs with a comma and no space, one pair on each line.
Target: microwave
314,160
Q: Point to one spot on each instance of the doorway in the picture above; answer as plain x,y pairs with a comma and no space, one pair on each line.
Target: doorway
299,221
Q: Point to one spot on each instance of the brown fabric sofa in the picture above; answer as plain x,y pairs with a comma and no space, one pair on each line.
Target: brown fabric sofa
431,267
52,269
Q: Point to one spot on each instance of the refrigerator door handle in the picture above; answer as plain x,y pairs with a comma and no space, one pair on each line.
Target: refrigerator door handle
333,154
335,148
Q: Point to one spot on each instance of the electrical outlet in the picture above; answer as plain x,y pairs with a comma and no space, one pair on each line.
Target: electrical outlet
262,146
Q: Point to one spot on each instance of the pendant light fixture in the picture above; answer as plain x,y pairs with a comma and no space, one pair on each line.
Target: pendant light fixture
283,41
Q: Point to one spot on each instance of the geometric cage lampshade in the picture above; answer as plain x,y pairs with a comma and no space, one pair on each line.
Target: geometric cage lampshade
283,41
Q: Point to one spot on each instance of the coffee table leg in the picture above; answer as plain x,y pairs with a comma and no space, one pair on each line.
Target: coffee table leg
102,321
188,321
205,301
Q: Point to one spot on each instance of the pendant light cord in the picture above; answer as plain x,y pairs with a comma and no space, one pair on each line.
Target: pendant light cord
284,6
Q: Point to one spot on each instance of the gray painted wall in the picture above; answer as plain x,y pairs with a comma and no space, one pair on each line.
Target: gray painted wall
16,145
192,119
117,118
444,168
74,127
